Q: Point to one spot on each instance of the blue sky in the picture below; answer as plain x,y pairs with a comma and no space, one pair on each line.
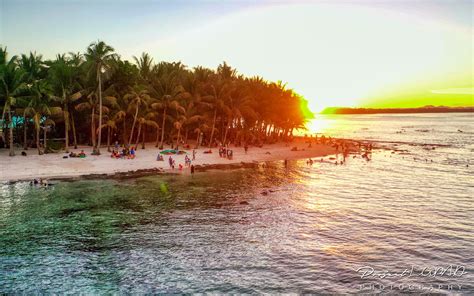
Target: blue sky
52,26
332,52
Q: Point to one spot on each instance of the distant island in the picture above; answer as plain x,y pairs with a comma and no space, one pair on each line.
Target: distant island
425,109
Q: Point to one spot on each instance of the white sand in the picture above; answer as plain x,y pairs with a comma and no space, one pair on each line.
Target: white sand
53,165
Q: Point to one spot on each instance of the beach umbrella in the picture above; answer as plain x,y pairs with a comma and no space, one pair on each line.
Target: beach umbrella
168,151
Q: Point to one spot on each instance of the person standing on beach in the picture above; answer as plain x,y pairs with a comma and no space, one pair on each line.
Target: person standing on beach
246,148
192,169
194,154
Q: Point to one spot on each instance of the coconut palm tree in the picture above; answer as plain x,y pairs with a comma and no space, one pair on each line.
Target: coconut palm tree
136,97
99,56
145,66
220,93
178,119
33,67
216,104
11,86
111,125
91,103
146,119
39,109
200,130
191,117
166,86
63,77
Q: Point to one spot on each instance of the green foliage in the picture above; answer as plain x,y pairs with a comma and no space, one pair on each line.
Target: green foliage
143,100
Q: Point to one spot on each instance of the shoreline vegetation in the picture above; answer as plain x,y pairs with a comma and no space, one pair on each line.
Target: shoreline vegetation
425,109
96,99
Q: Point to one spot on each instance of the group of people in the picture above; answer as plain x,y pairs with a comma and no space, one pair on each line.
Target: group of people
40,182
125,153
187,162
81,154
171,162
225,152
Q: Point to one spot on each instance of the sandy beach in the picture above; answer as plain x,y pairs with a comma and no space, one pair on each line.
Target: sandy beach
54,166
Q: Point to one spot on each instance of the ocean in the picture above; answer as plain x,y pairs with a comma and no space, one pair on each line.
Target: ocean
401,222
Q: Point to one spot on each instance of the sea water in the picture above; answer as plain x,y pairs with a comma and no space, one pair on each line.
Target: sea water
401,222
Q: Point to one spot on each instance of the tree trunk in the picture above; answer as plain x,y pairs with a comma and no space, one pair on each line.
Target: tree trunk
157,136
133,126
73,130
143,137
25,127
66,123
124,132
225,134
138,136
100,113
197,139
10,133
93,129
45,140
177,138
37,128
213,126
186,137
108,139
163,128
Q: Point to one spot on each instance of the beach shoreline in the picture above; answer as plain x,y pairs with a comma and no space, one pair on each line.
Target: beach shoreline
53,166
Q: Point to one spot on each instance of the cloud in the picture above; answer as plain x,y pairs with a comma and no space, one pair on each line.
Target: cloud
455,91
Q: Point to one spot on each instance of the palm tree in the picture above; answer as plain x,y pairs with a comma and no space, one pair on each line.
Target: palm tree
39,109
99,56
136,97
63,79
92,104
144,121
191,116
11,85
220,93
145,66
179,119
203,127
110,124
33,67
217,104
166,86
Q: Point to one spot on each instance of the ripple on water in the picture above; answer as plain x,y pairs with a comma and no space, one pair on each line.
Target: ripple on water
309,233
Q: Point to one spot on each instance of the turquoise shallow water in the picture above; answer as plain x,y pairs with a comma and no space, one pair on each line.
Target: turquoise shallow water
263,230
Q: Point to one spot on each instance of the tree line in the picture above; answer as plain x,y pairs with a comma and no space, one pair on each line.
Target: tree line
96,97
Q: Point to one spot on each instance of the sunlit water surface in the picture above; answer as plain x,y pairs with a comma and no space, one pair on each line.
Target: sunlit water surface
297,229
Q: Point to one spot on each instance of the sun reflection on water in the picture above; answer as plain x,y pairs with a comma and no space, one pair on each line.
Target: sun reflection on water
321,125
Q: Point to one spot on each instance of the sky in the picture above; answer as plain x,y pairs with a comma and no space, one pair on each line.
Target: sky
355,53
